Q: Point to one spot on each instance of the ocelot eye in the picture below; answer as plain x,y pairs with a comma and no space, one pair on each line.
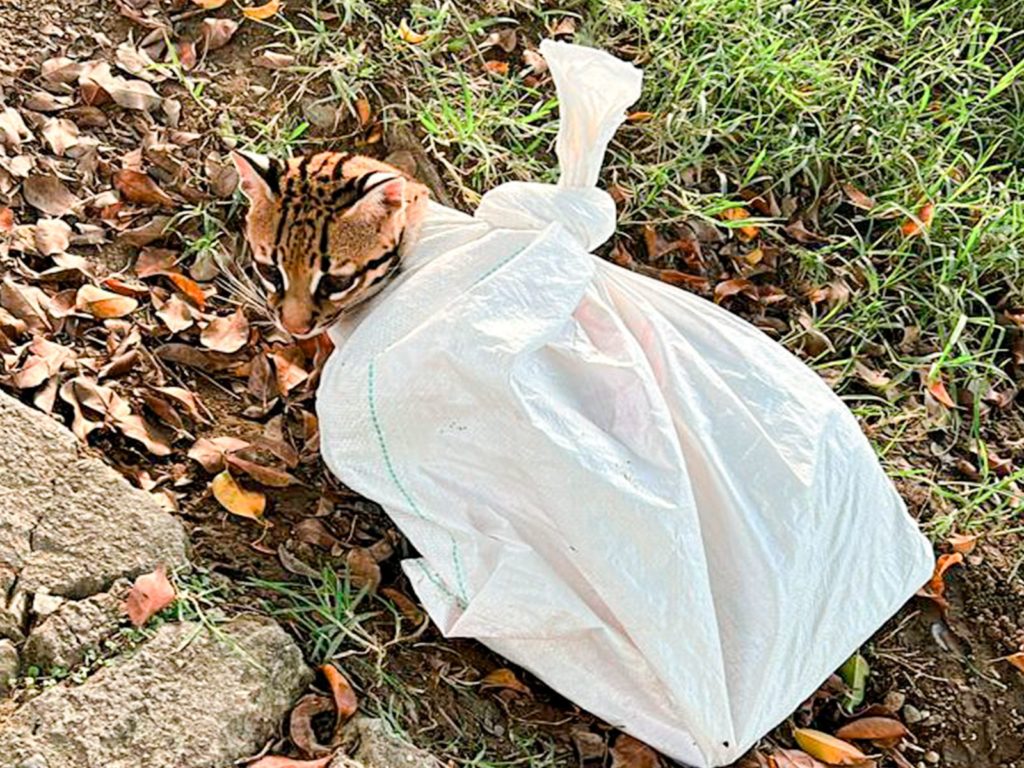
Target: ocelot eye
270,275
332,284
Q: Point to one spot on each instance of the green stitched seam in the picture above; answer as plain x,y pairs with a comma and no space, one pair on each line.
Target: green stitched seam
461,599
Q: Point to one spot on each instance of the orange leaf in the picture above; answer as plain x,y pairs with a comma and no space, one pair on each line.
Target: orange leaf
872,728
6,219
937,584
827,748
748,231
938,390
963,543
262,12
632,753
1017,659
413,38
149,595
639,117
363,111
103,304
236,499
496,67
503,678
226,334
209,5
345,701
137,187
915,226
189,287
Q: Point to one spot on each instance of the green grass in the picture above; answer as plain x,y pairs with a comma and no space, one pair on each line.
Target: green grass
911,102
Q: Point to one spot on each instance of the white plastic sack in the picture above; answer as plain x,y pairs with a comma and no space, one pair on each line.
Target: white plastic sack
617,485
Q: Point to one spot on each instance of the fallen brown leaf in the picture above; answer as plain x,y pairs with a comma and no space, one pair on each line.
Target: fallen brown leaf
857,198
795,758
938,390
48,194
192,290
363,569
1017,660
345,701
210,5
504,678
150,594
52,236
405,606
236,499
137,187
963,543
300,725
226,334
269,476
828,748
176,315
276,761
262,12
632,753
193,357
873,729
210,452
919,224
104,304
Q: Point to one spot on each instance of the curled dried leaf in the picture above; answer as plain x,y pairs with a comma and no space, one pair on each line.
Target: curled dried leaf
150,594
828,748
504,678
633,753
104,304
345,701
210,452
236,499
137,187
413,38
226,334
873,729
263,12
300,725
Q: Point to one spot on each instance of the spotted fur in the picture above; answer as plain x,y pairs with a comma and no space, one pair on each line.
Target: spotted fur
326,231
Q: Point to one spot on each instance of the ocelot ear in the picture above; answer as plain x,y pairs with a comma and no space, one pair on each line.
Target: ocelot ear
383,196
260,175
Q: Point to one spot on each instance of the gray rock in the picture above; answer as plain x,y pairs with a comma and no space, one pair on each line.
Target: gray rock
370,744
185,699
76,626
69,524
9,664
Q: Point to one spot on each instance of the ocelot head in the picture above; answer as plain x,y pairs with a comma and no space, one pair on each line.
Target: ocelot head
326,232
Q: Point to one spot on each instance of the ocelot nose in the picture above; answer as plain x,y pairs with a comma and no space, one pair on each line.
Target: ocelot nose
296,317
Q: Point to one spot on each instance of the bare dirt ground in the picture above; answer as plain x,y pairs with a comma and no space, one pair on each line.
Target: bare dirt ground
939,672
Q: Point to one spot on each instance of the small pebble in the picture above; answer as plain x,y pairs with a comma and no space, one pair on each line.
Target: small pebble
931,757
912,714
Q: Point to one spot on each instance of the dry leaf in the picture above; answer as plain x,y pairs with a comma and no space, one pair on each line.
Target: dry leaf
963,543
203,359
728,288
192,290
747,232
176,315
496,67
794,758
503,678
413,38
857,198
288,370
236,499
149,595
345,701
226,334
643,117
506,39
52,236
269,476
210,452
363,569
6,219
936,586
873,729
60,133
938,390
276,761
13,130
216,33
137,187
300,725
262,12
210,5
273,60
49,195
535,61
633,753
917,225
565,28
103,304
827,748
405,606
1016,659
